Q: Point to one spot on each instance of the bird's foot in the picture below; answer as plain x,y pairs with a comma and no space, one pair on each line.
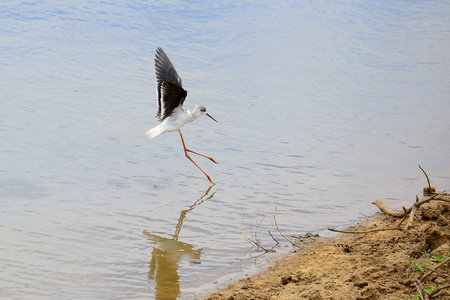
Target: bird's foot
209,178
212,159
205,156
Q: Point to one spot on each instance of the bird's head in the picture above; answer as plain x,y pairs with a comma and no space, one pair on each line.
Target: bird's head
201,110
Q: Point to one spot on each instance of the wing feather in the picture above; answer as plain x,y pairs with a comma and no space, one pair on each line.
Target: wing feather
172,97
168,85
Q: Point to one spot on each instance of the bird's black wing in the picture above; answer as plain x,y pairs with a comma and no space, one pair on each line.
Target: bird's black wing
168,85
172,97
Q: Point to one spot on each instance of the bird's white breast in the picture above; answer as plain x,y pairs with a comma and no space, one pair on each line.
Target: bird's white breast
179,117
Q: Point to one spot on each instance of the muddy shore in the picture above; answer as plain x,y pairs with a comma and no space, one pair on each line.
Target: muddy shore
406,263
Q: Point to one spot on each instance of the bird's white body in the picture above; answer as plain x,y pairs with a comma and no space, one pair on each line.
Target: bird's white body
179,117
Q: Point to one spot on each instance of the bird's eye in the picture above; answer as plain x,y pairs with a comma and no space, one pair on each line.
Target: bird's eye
203,109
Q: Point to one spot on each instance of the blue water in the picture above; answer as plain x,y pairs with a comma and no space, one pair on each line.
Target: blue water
322,107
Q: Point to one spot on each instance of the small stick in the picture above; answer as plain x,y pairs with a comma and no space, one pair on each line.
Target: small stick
273,237
404,217
434,269
442,194
436,291
375,230
423,295
257,226
363,231
276,225
250,239
413,212
428,179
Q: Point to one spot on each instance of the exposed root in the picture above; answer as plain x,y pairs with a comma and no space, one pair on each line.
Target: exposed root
444,197
395,213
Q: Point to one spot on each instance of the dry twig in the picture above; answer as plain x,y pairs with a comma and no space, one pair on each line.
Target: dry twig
434,269
363,231
273,237
422,279
413,209
428,179
372,230
436,292
276,225
395,213
404,217
254,241
420,289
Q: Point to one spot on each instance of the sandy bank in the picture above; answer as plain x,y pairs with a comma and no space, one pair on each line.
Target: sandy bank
385,264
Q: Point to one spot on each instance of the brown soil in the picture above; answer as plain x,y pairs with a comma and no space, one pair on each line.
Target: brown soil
378,265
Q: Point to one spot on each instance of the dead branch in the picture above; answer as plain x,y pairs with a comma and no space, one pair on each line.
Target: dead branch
250,239
419,283
412,210
413,213
372,230
404,217
428,179
276,225
434,269
363,231
257,226
426,200
250,257
401,214
435,292
273,237
398,214
420,289
395,213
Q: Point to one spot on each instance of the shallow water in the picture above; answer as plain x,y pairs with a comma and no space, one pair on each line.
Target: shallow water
322,108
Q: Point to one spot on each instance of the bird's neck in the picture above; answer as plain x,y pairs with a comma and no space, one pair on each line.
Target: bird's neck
196,113
190,114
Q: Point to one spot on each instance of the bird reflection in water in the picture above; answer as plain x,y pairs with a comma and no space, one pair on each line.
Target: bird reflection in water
168,252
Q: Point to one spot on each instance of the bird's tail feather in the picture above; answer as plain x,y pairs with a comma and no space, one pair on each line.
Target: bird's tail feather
154,132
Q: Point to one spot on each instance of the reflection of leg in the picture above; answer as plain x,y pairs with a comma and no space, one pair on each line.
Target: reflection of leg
191,207
187,155
166,276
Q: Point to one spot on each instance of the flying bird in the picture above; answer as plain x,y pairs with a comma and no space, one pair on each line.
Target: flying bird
171,112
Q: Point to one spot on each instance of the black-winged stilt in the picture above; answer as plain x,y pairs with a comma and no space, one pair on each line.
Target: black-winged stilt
171,112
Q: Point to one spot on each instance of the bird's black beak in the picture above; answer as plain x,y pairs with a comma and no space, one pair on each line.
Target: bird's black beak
211,117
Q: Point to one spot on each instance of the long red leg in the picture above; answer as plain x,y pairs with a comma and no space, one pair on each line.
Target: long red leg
189,150
210,158
186,150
